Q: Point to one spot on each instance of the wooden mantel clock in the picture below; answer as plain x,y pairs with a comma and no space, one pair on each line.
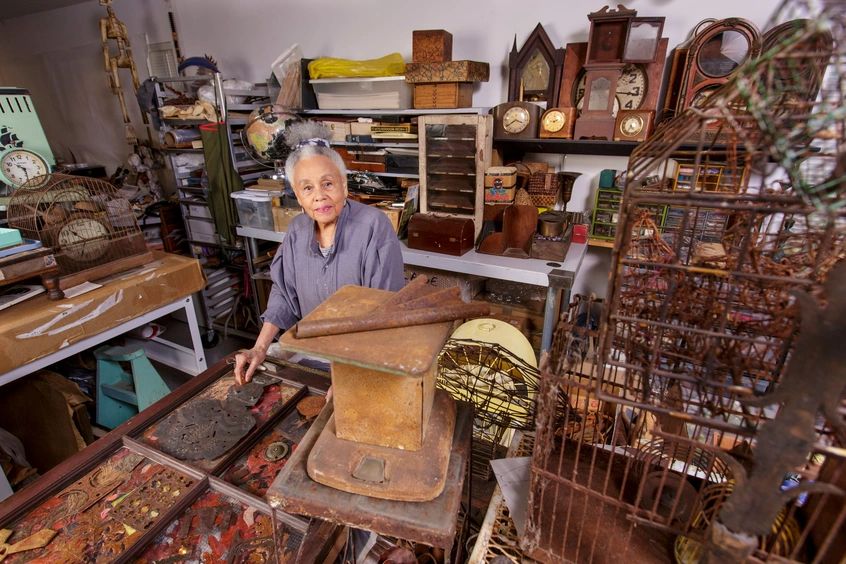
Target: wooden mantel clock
619,40
534,72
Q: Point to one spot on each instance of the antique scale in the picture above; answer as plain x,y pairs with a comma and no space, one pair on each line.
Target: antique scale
391,433
617,38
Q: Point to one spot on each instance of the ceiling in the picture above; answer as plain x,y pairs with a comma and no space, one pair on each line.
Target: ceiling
16,8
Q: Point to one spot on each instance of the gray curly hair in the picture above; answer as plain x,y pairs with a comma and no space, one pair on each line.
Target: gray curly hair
298,134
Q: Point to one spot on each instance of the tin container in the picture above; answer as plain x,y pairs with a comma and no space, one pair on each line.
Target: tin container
500,184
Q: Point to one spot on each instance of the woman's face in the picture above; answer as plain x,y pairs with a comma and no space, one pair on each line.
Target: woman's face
320,189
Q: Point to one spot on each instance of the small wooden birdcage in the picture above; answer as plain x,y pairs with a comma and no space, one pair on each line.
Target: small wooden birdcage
89,224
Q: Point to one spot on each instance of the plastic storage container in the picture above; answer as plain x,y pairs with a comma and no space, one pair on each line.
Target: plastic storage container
380,93
254,209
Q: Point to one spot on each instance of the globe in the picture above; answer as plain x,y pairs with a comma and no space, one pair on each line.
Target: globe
263,133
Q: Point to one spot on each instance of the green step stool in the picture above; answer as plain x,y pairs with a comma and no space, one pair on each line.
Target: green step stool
120,394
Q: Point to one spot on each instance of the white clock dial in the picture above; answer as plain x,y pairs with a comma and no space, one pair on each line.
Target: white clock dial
631,89
84,239
19,166
515,120
631,125
554,121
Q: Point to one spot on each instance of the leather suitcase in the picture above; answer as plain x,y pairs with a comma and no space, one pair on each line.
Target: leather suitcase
446,235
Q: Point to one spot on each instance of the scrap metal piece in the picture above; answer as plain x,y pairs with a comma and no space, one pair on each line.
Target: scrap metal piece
258,550
311,406
275,451
209,428
813,382
93,488
142,507
389,320
205,519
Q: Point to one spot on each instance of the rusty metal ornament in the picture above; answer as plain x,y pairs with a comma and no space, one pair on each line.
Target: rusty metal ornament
209,428
143,506
93,488
311,406
275,451
813,382
258,550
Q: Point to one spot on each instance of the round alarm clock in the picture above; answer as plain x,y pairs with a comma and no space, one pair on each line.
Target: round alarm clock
83,239
18,166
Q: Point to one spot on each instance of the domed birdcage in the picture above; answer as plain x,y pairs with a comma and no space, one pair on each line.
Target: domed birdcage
89,224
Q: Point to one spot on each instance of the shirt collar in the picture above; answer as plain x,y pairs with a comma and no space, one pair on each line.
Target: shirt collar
342,219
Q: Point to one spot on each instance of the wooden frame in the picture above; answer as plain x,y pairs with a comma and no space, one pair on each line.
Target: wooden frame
694,79
64,475
517,61
449,184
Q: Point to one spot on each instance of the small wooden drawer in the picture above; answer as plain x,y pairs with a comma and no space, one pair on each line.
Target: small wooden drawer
443,95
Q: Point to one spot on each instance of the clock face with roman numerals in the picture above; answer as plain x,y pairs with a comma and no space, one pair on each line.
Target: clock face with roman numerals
631,88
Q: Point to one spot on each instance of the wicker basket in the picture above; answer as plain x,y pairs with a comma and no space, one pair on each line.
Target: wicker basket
544,189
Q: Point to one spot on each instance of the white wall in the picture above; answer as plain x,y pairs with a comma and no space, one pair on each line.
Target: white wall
58,56
49,51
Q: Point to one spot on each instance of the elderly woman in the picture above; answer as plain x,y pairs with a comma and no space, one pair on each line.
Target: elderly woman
336,242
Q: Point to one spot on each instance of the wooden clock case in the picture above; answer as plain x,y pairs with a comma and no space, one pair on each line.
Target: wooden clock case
518,61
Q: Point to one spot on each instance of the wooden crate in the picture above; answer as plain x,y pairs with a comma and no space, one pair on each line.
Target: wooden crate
431,46
455,151
443,95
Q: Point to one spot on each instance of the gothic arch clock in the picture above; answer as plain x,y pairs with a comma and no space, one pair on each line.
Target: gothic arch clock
534,72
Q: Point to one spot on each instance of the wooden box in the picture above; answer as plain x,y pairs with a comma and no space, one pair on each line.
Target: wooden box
443,95
446,235
455,151
451,71
431,46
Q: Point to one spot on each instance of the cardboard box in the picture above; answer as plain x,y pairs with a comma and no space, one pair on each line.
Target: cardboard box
282,217
38,327
39,410
431,46
340,129
451,71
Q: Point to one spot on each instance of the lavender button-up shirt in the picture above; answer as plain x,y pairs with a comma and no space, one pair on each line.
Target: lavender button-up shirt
366,252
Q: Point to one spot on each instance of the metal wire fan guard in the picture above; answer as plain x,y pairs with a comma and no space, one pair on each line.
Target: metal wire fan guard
500,385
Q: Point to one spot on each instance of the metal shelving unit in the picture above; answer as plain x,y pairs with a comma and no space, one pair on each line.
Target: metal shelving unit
225,281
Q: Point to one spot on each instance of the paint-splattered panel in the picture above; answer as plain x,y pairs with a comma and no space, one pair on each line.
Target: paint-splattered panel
103,513
217,528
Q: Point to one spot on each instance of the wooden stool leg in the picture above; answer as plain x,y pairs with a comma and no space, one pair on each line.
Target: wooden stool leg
51,282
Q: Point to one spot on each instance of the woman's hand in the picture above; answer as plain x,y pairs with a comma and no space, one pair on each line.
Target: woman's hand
246,364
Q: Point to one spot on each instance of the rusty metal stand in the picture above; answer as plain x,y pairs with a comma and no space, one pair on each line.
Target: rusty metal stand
430,522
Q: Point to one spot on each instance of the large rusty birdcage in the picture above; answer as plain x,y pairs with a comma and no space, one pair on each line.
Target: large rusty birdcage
90,225
720,346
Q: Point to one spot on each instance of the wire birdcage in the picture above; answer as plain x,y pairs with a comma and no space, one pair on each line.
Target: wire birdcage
719,344
89,224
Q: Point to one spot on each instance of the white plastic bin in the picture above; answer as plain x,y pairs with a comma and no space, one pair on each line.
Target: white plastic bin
379,93
254,209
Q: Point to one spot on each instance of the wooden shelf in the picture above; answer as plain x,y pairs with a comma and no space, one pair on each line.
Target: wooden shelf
567,146
604,243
